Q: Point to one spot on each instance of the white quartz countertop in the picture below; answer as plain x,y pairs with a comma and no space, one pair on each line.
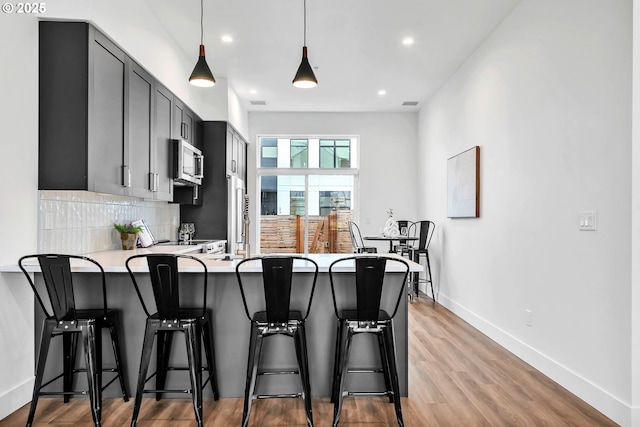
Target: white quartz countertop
113,261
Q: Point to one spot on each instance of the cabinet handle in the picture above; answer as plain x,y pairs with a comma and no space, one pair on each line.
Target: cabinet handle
196,193
157,182
126,176
233,166
152,182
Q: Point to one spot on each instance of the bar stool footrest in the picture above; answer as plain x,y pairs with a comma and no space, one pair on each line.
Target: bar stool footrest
278,396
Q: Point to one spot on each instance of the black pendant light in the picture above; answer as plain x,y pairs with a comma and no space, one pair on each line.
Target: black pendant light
305,78
201,75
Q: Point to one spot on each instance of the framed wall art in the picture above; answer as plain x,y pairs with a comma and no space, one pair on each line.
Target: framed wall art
463,184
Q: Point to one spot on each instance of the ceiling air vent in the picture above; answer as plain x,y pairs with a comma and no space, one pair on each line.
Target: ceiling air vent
258,102
409,103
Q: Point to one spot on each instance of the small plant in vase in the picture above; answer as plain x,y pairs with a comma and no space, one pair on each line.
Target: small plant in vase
128,235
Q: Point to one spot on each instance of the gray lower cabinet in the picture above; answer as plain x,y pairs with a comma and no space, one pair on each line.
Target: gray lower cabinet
105,123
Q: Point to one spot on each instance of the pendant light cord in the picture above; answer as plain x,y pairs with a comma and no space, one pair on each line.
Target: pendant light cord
201,21
305,22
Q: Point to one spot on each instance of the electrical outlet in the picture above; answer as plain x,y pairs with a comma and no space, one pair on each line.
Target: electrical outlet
528,317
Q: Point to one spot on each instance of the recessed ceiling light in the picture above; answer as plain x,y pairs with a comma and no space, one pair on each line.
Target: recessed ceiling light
407,41
382,92
253,91
227,38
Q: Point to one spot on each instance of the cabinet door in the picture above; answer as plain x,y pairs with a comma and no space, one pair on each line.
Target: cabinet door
230,161
138,154
107,172
189,124
242,159
183,121
163,153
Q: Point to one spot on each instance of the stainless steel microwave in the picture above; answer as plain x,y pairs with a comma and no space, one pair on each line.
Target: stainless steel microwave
189,164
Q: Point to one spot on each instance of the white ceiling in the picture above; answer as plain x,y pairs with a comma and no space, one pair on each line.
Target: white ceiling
355,47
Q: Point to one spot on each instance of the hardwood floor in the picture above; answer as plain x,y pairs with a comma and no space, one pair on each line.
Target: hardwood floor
457,378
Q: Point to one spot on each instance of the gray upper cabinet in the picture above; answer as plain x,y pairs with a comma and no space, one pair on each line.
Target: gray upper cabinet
138,154
236,154
163,144
82,85
183,122
105,123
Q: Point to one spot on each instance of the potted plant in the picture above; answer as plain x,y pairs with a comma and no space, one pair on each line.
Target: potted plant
128,235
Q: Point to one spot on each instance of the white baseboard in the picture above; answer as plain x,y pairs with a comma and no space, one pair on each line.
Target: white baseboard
15,398
612,407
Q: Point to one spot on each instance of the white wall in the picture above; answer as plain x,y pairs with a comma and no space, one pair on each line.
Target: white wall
548,99
635,219
19,209
388,162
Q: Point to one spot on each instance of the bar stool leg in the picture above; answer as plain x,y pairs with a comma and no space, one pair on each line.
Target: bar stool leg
192,338
115,343
92,340
163,351
384,359
300,340
147,346
42,360
336,362
70,346
393,371
209,351
433,294
255,345
342,375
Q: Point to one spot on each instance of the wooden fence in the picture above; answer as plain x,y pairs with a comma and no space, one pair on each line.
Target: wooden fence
285,233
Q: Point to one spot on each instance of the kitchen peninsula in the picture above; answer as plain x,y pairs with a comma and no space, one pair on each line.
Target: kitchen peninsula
231,327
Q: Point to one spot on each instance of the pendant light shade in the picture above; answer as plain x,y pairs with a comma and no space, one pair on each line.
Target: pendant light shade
201,75
305,78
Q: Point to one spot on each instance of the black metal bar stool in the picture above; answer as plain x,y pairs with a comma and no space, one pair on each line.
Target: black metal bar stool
276,313
366,303
173,314
64,318
425,233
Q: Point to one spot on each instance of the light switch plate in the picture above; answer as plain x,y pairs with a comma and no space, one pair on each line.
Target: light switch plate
587,221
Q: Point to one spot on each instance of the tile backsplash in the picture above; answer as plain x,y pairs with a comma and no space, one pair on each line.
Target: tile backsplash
78,222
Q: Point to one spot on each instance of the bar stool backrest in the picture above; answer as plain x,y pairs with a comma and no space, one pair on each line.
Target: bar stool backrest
374,288
165,283
277,284
426,229
58,282
356,237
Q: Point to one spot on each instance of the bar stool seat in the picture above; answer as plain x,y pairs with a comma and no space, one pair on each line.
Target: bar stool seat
64,318
275,313
172,316
372,312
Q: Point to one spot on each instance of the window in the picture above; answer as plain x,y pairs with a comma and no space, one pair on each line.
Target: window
307,188
299,153
335,153
269,153
334,200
